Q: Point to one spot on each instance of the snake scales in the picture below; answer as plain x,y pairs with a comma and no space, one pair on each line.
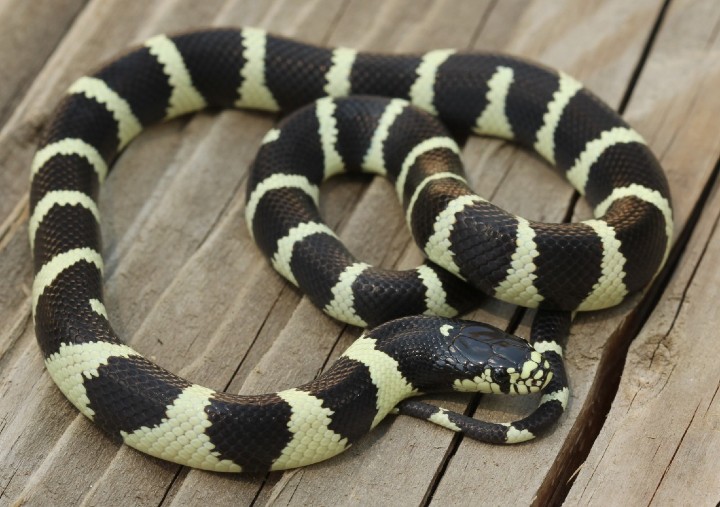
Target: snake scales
557,268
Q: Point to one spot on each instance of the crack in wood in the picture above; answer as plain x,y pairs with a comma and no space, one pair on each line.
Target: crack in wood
712,400
602,457
677,448
470,408
10,104
689,283
222,212
636,317
647,48
255,338
325,41
713,35
481,25
283,484
170,485
667,379
7,484
609,373
15,334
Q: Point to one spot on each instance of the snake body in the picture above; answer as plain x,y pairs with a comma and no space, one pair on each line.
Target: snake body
555,267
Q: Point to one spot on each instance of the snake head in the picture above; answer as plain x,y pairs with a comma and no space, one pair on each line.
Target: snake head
488,360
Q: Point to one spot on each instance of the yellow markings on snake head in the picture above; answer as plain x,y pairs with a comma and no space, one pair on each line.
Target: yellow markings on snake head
544,346
527,369
531,366
531,373
445,329
312,440
98,307
549,376
534,375
545,382
522,389
482,383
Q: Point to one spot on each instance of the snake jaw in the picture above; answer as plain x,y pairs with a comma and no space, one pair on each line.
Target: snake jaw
482,383
533,377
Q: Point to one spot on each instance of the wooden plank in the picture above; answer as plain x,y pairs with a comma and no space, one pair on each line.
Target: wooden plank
23,52
280,367
660,442
22,55
376,472
174,237
128,325
556,34
30,466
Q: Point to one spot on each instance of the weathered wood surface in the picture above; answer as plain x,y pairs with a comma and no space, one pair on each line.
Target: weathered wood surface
185,284
660,443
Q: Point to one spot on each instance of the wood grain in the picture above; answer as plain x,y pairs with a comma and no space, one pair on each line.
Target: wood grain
660,443
22,56
186,286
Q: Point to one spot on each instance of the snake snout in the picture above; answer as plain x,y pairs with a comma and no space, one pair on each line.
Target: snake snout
534,374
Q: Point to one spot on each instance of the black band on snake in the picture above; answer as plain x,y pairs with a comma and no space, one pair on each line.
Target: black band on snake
557,268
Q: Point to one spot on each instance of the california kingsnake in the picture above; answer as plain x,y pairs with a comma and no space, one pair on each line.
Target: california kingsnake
565,267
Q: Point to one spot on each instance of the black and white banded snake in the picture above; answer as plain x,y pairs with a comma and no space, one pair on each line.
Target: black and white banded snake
557,268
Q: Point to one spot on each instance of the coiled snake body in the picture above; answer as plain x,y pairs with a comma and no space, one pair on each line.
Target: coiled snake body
555,267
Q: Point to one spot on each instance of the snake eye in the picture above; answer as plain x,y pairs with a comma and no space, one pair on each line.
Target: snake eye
501,375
